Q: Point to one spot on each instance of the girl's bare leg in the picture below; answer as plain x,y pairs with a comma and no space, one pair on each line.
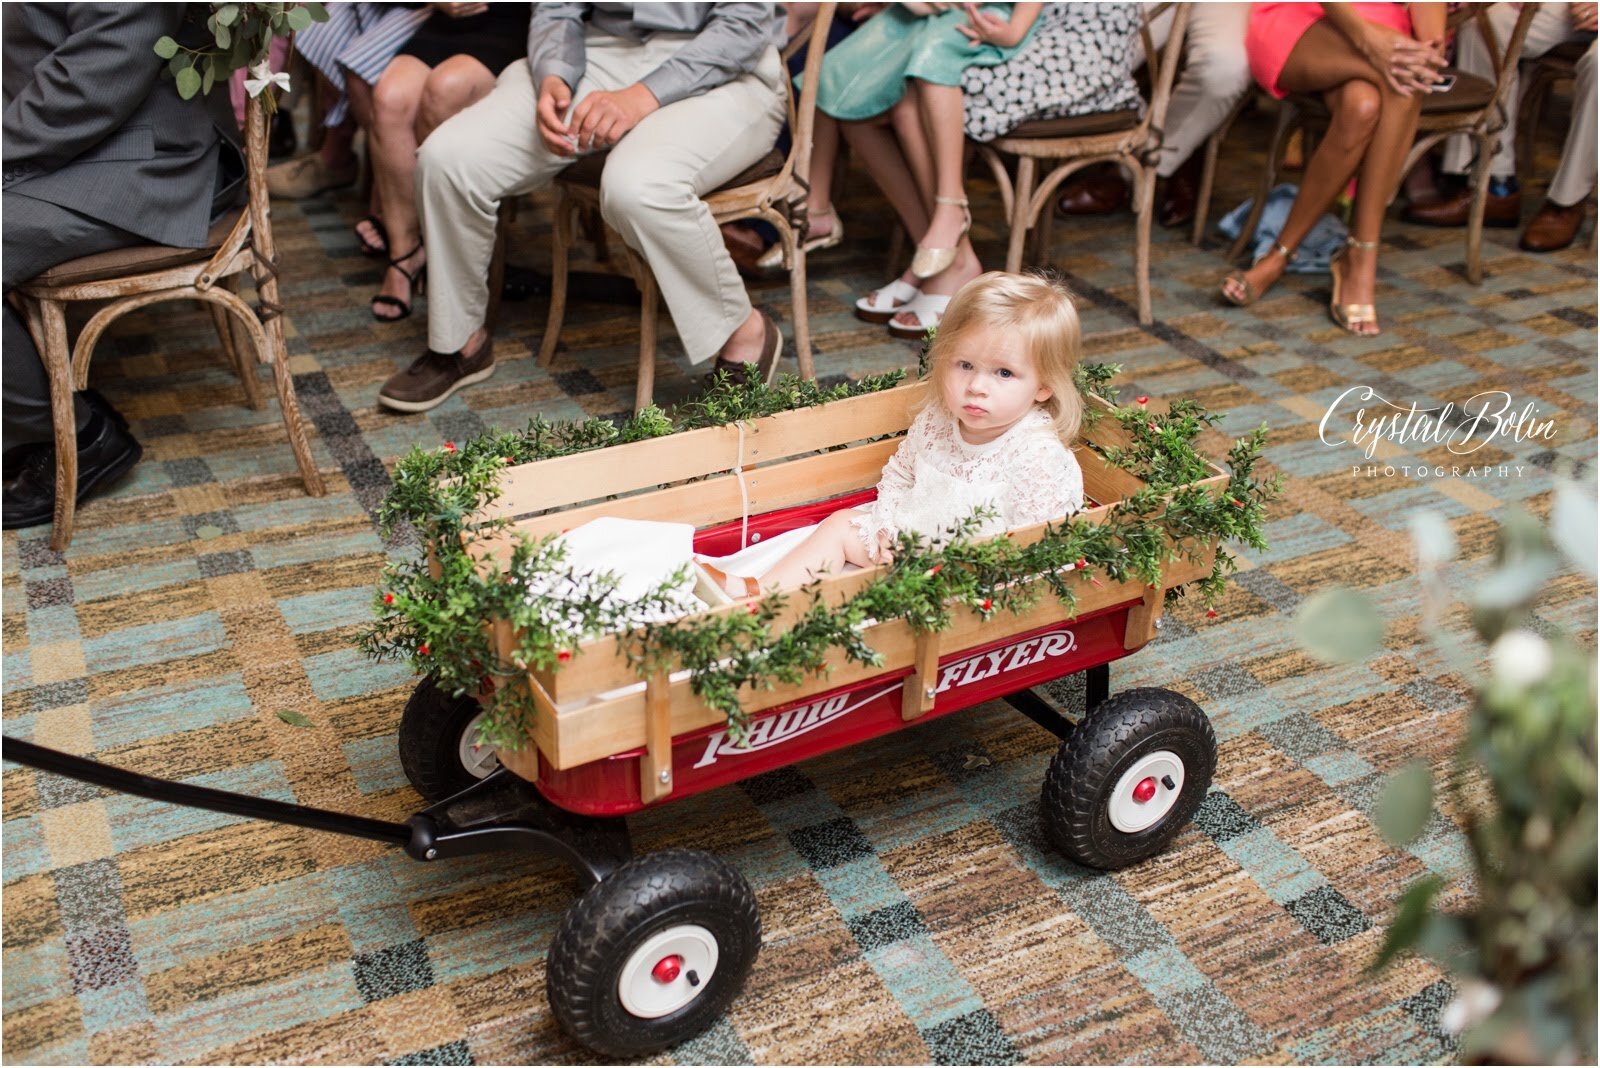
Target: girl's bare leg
393,139
824,157
825,551
1324,61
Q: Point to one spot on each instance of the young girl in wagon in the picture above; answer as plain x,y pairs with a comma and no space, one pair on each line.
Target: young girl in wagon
992,434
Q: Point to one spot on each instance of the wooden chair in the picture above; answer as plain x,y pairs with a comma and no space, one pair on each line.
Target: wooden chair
131,278
1473,106
1208,168
1071,144
773,189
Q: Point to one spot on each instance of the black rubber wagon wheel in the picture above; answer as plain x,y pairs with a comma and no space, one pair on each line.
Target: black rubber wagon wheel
651,956
439,748
1128,778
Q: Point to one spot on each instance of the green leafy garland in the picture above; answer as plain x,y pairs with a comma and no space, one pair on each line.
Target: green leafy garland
441,625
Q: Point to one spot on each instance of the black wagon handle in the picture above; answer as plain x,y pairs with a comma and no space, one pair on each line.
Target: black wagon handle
181,793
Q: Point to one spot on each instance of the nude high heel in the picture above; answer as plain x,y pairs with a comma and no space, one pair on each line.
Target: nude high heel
1250,294
1350,316
930,261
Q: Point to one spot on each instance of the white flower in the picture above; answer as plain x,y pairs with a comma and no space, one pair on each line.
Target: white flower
264,77
1474,1004
1519,658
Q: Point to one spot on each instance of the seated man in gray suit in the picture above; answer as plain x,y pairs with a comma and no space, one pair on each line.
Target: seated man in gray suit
100,152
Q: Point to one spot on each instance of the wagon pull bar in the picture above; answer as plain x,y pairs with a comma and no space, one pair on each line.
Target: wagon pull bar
181,793
500,812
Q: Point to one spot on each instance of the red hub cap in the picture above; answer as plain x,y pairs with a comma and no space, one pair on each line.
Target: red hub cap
1141,793
666,969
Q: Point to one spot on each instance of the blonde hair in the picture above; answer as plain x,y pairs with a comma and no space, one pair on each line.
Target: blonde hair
1034,305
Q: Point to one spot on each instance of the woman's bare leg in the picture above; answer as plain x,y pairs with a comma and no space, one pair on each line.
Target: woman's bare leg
1324,61
906,120
455,85
393,140
359,93
875,142
943,114
824,157
1380,176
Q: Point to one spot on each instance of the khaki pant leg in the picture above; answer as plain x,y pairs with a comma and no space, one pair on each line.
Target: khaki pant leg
1549,28
654,179
1576,175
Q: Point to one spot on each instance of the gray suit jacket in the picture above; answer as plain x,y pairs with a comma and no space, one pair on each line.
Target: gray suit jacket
92,126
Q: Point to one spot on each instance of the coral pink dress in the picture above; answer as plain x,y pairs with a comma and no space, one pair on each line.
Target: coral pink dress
1276,28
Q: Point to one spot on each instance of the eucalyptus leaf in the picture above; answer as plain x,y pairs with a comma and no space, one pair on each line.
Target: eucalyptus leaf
1405,804
1339,625
299,19
1575,527
293,718
227,14
209,77
223,35
179,62
188,82
318,12
1411,915
1515,584
166,48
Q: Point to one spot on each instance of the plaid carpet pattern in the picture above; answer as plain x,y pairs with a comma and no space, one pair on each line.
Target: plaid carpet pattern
911,909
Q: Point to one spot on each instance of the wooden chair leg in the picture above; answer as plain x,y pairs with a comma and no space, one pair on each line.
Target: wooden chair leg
1021,212
1146,193
800,307
1480,194
289,405
897,251
560,249
1287,113
1044,234
235,347
644,391
53,351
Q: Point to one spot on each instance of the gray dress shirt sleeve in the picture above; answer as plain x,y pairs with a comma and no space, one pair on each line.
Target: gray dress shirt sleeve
555,43
730,43
729,40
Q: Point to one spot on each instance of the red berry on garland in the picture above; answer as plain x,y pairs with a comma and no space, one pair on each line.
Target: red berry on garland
422,650
388,598
1142,401
1081,564
988,603
563,656
934,570
1237,503
449,446
1211,613
509,461
1153,428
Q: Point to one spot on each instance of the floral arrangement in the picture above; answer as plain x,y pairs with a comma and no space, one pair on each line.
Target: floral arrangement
241,34
436,617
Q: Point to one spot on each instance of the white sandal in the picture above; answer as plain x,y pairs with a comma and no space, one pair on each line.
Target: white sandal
927,307
881,305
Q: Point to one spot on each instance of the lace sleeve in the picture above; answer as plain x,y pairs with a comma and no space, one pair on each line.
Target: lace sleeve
894,486
1044,483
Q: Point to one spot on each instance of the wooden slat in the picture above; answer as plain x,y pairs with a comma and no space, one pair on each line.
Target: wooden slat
643,465
655,770
716,500
917,698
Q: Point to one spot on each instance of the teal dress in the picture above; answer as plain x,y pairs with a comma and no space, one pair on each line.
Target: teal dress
865,74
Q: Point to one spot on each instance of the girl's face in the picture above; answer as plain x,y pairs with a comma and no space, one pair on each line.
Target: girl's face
989,383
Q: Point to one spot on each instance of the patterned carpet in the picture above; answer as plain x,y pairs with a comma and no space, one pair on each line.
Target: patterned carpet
911,911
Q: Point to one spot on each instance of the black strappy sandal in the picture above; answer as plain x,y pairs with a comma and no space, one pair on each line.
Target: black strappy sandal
367,248
418,282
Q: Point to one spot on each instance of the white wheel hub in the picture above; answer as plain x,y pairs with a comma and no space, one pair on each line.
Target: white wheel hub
1146,792
479,760
671,969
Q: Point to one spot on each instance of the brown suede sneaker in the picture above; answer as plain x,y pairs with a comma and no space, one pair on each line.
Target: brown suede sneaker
765,368
433,376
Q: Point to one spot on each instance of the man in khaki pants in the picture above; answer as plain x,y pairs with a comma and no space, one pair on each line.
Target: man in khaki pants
685,95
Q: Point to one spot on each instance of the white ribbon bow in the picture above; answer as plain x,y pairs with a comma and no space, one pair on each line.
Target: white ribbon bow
264,77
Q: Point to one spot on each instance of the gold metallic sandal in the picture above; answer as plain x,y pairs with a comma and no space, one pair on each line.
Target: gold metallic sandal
1351,316
930,261
1250,294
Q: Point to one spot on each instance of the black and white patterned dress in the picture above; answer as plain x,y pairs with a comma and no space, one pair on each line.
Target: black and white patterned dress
1079,61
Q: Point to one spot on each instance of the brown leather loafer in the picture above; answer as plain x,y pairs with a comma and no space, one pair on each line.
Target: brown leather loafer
1452,209
1553,228
433,376
1099,192
765,367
